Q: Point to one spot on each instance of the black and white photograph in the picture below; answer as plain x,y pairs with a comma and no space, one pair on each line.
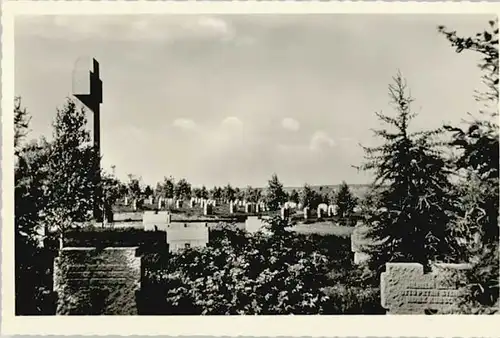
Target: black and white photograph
258,164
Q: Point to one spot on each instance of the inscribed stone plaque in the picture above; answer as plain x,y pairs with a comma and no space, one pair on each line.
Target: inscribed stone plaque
89,281
406,289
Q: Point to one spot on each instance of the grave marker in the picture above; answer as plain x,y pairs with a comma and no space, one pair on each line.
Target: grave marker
331,210
207,209
358,241
322,209
307,213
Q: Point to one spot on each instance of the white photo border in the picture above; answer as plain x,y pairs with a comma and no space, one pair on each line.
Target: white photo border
314,326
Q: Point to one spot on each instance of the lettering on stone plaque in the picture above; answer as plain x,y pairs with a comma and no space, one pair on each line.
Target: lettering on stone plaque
110,277
406,289
431,296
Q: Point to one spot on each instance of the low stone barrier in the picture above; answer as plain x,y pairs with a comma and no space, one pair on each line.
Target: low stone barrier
406,289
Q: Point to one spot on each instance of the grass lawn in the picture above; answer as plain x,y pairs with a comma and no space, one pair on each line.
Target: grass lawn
323,228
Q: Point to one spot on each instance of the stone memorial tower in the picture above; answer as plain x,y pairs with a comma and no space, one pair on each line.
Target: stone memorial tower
93,100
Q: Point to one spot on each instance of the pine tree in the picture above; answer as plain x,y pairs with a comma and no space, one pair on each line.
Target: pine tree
478,145
346,201
478,149
411,178
276,195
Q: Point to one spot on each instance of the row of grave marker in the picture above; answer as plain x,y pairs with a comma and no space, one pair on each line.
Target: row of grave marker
208,204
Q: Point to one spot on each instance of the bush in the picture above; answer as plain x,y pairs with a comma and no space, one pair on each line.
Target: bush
482,290
346,299
241,273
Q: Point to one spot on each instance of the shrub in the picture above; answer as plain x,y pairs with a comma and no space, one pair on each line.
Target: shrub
240,273
346,299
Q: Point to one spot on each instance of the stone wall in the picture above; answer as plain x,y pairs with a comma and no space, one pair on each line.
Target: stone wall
406,289
89,281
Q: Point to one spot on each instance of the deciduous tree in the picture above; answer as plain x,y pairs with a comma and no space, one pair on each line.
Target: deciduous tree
70,184
183,189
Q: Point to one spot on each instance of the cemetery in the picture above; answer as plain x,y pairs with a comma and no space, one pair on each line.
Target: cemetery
413,242
115,270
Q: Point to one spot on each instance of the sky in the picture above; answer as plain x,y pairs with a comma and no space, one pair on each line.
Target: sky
236,98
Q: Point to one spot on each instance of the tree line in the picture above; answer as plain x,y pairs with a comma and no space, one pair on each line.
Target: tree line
274,195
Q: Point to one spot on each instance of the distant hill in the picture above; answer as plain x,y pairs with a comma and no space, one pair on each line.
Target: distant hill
359,190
